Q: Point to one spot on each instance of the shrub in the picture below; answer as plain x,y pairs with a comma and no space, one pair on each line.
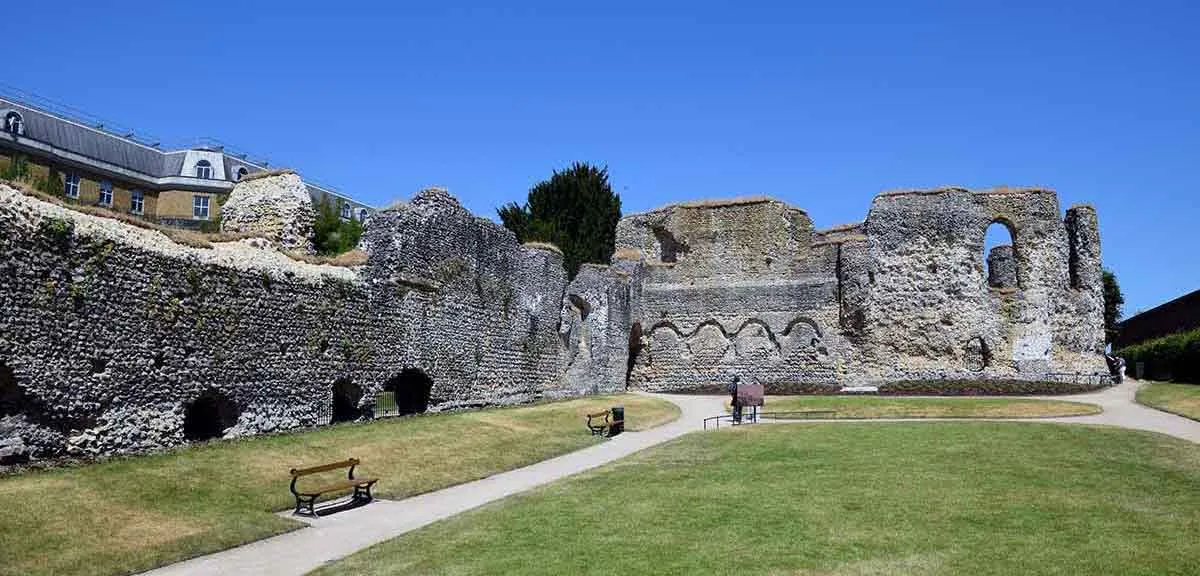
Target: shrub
1173,357
333,235
987,387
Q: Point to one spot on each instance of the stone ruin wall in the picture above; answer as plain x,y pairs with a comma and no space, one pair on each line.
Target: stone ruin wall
109,331
731,287
748,287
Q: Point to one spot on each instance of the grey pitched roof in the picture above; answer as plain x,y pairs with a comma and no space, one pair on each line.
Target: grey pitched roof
89,142
97,144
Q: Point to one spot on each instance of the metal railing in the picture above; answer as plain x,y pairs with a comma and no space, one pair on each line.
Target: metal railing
754,417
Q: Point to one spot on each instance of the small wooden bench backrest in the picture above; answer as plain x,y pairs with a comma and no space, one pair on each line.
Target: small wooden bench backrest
598,414
296,472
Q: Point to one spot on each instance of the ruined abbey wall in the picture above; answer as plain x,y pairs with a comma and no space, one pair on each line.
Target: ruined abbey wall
748,287
109,332
111,335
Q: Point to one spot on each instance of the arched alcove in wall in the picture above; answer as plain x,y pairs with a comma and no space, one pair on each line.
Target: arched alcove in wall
346,396
635,348
10,393
1000,262
412,388
209,416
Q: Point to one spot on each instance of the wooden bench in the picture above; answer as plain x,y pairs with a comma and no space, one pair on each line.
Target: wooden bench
605,427
307,498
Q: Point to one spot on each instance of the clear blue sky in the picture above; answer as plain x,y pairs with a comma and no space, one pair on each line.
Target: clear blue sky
822,104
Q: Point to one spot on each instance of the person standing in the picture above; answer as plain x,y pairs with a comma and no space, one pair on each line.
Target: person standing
737,407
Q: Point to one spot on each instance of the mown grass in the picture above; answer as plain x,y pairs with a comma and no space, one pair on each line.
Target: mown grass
977,498
134,513
1179,399
893,407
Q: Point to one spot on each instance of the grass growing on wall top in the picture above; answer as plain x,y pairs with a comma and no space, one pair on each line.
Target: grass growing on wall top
135,513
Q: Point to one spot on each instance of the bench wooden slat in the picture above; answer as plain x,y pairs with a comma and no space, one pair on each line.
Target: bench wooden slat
324,467
598,414
343,485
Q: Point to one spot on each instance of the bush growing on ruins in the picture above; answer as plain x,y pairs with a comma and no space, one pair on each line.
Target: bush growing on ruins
575,210
1113,300
333,235
1173,357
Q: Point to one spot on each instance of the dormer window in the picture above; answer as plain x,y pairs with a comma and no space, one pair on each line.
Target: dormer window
204,170
242,172
14,123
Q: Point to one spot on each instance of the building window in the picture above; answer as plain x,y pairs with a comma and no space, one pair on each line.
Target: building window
204,170
362,215
105,193
13,123
345,210
137,202
200,207
71,186
241,173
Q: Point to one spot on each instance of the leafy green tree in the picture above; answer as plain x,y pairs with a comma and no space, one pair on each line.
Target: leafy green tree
333,235
575,210
1113,300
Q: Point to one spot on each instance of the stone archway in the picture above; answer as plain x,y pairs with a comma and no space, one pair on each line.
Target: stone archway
346,397
1000,262
209,416
412,389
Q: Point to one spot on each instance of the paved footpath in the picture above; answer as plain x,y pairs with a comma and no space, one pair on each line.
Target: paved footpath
1120,409
338,535
333,537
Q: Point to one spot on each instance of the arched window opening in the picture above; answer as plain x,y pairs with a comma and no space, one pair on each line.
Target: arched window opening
1000,256
209,416
14,123
204,170
411,389
242,172
346,396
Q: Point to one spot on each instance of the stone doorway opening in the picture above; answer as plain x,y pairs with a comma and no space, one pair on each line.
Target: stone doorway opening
11,401
209,416
346,396
635,348
411,389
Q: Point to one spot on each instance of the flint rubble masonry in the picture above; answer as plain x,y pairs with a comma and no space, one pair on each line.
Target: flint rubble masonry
110,333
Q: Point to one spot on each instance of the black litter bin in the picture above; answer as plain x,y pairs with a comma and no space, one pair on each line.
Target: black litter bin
618,415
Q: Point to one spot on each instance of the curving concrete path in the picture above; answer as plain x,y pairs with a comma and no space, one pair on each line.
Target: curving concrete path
332,537
1120,409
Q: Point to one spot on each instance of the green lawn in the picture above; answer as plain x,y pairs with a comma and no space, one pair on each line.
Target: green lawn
1181,399
135,513
974,498
893,407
